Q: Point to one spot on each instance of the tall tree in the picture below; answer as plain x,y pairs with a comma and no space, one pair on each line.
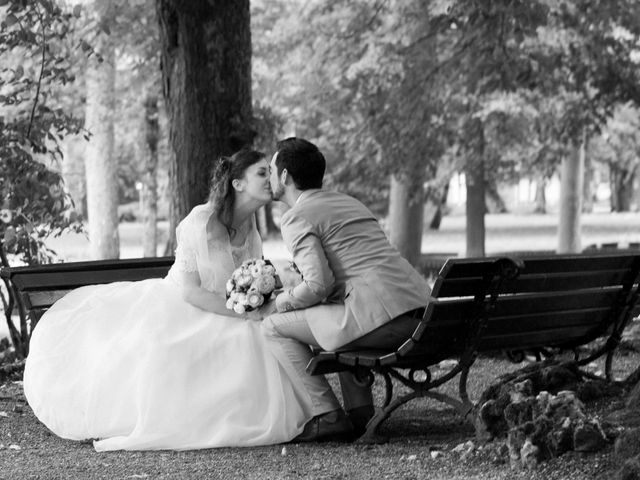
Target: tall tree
150,189
206,71
100,162
493,52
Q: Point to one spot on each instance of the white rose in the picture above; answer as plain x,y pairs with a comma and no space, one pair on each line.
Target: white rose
256,271
265,284
260,262
242,299
254,299
230,286
238,308
269,270
230,303
234,296
245,280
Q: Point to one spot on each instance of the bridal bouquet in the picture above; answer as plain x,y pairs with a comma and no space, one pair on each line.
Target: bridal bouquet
251,285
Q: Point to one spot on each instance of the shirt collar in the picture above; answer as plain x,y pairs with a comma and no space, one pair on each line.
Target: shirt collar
305,194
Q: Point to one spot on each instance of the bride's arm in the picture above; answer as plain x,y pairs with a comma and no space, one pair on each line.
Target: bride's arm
197,296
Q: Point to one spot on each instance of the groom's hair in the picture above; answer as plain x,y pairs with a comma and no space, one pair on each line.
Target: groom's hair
303,161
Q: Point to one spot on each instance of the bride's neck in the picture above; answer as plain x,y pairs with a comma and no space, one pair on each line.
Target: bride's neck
241,213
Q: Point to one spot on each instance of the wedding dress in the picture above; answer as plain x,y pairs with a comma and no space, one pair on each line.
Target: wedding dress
135,367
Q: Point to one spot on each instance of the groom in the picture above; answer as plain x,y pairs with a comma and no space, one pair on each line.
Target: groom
355,289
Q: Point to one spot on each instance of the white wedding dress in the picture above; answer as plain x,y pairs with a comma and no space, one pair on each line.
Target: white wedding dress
135,367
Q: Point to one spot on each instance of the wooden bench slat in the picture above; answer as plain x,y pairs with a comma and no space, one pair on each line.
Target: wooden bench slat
460,268
67,280
543,338
554,282
452,310
579,263
89,266
539,282
42,299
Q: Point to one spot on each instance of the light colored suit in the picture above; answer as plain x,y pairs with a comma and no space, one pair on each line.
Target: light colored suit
354,281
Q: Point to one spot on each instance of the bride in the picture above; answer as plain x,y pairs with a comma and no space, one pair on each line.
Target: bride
162,363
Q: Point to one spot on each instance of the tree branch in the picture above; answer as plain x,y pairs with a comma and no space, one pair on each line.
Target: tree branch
41,76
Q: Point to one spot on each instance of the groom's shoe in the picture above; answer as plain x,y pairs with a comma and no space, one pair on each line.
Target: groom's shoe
332,425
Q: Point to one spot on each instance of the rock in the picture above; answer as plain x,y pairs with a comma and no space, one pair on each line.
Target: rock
500,454
458,448
469,449
628,444
529,455
589,437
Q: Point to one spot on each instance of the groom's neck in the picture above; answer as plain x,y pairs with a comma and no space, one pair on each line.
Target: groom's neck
291,196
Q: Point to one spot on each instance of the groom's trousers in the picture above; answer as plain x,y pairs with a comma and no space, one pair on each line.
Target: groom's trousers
289,337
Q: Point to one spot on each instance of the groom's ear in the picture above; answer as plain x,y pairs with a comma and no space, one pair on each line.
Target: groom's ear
284,176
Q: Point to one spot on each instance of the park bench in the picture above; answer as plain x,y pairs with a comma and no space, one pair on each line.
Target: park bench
540,304
35,288
476,306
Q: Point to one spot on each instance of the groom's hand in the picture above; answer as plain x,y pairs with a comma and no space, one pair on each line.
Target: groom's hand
268,308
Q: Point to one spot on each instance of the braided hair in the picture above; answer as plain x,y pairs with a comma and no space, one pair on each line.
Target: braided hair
222,194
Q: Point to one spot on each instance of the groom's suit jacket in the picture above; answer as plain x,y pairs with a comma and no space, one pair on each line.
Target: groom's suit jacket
347,262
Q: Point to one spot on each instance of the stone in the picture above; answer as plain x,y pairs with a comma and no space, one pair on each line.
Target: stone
628,444
529,455
589,437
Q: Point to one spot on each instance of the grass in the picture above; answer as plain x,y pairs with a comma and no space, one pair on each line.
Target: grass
505,232
416,430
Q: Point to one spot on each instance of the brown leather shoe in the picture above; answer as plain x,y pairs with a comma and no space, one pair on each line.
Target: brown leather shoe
332,425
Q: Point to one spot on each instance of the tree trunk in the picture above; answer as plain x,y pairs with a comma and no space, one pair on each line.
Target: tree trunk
150,182
475,209
541,196
100,161
206,72
589,189
435,203
406,207
73,172
571,179
495,203
621,181
475,183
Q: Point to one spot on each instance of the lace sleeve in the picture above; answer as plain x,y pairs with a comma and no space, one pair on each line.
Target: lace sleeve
185,260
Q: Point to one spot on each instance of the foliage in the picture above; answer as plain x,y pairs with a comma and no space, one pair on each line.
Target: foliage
34,202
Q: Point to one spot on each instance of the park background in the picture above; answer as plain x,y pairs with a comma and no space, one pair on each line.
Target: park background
468,127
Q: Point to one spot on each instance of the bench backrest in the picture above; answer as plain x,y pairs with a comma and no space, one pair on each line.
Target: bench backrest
553,301
40,286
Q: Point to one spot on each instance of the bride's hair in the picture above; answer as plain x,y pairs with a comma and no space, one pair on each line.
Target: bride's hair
222,195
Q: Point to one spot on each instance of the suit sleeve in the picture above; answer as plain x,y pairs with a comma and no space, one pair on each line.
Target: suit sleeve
306,248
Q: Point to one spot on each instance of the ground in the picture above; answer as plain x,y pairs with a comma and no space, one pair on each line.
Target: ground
423,435
417,431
